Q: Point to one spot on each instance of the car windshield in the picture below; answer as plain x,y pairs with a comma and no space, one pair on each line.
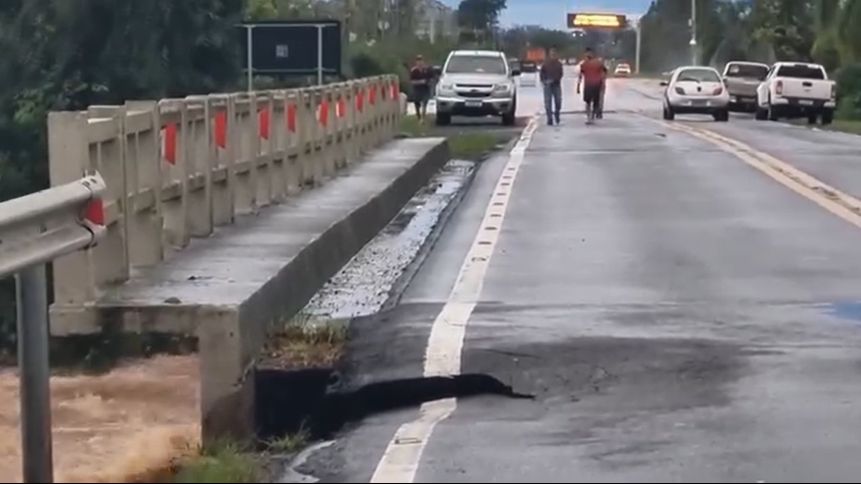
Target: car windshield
698,75
801,71
529,67
748,71
475,64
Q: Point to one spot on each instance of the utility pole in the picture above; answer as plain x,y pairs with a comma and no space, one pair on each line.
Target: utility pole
694,55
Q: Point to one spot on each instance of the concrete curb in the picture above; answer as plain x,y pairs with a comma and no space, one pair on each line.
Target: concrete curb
228,397
404,281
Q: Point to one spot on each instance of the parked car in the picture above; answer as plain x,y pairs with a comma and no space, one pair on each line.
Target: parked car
793,90
742,80
476,83
622,70
696,90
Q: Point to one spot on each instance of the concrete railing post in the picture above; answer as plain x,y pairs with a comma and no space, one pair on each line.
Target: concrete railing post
143,158
75,278
245,189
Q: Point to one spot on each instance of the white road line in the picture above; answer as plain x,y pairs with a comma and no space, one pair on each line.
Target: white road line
401,460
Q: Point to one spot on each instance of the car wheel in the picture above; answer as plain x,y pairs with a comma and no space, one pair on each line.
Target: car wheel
509,119
761,114
812,118
669,115
722,116
443,119
773,115
827,117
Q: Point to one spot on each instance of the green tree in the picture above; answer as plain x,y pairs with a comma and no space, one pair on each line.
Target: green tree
68,54
480,18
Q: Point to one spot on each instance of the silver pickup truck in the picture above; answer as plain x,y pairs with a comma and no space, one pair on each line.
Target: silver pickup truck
742,80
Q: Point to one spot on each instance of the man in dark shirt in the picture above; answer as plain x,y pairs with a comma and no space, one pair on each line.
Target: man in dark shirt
421,77
551,78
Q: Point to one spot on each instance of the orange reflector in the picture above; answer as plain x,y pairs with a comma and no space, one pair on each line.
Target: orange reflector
95,212
324,113
263,116
360,100
169,144
221,129
291,117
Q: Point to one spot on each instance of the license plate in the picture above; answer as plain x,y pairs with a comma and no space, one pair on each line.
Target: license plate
699,102
806,103
473,104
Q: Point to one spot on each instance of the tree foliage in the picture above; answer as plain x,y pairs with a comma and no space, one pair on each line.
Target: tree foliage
480,18
68,54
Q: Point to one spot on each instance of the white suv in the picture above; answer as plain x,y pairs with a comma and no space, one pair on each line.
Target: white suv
476,83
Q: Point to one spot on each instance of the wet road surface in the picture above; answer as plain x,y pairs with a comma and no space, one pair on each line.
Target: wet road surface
678,315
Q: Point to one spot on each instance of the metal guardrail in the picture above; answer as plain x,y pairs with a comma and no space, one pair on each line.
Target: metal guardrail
36,229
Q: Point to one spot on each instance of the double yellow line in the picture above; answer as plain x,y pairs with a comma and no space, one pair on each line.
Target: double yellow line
826,196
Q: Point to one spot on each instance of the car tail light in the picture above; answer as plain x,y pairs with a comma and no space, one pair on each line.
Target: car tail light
680,91
718,91
778,88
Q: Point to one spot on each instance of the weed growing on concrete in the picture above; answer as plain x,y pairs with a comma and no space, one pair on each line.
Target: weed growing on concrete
222,462
306,342
290,444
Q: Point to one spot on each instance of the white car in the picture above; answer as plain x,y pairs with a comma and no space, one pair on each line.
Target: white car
622,70
793,89
477,83
696,90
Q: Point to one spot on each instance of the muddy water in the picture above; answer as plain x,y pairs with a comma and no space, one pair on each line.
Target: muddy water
123,426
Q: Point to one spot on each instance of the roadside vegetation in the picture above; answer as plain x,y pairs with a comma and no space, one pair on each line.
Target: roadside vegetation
467,144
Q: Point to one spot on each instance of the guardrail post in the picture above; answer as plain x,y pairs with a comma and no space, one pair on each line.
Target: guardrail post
35,375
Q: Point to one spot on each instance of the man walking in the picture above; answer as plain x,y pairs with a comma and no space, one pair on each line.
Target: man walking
592,74
551,78
421,77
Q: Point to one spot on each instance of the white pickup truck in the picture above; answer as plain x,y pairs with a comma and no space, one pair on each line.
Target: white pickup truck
797,90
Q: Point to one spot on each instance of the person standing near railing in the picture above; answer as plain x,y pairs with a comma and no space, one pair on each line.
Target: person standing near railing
421,77
551,78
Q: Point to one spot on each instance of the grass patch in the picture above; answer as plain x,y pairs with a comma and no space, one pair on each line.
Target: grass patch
412,127
472,146
304,344
846,126
223,462
290,444
470,143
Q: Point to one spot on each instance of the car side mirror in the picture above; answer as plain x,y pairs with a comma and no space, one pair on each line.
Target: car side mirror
437,70
665,84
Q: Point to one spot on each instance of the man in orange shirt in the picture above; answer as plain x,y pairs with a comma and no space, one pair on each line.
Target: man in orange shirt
592,77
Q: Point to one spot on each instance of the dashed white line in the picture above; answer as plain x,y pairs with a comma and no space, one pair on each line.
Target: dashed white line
403,455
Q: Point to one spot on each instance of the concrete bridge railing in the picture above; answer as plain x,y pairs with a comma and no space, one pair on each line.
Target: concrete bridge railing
177,168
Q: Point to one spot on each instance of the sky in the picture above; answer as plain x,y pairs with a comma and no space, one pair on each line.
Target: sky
551,13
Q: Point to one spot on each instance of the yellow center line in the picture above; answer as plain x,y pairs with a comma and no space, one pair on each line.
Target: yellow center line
826,196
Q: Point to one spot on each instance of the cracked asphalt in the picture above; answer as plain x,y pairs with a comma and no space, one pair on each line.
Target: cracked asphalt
679,316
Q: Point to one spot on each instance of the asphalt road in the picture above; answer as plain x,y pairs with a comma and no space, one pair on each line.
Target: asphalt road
678,315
